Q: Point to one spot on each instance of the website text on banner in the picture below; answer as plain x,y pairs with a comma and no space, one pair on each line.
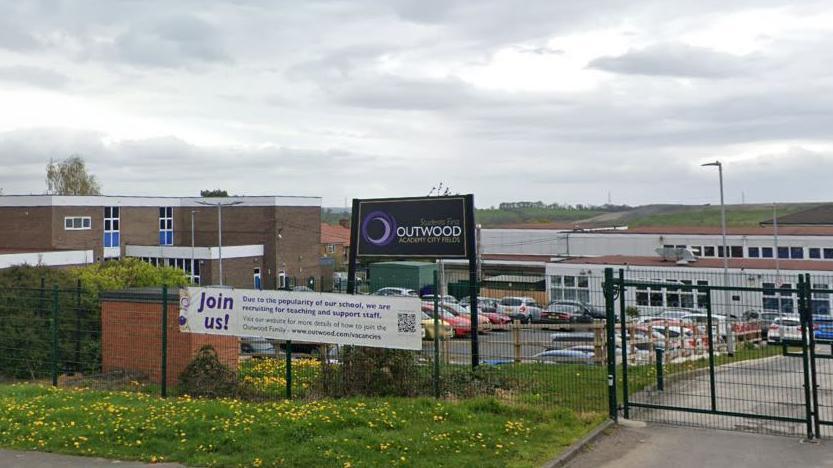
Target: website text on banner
382,322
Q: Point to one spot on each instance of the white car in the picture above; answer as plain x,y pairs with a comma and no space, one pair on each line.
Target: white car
719,323
519,307
787,328
396,292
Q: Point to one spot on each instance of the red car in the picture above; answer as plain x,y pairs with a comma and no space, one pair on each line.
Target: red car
461,325
496,318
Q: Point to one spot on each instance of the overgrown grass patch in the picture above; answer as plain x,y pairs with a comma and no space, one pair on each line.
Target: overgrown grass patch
339,433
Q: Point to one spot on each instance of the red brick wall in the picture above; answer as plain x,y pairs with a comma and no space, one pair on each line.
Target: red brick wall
131,340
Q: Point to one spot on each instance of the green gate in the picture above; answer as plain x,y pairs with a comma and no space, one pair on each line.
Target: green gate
699,367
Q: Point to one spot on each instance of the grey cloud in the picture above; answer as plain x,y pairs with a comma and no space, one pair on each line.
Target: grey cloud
401,94
677,60
33,76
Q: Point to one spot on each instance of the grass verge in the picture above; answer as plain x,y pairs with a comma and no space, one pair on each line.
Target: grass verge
338,433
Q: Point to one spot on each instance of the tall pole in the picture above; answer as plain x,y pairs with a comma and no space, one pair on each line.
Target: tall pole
193,272
220,238
730,339
219,206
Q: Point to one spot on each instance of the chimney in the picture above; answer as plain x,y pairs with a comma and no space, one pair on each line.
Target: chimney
344,222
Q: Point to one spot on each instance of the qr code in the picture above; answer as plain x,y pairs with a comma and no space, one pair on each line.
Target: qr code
407,323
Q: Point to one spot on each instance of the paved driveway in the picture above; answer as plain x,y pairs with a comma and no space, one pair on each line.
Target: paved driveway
657,446
15,459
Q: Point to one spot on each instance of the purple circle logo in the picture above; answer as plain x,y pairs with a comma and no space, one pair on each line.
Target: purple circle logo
184,302
182,320
383,228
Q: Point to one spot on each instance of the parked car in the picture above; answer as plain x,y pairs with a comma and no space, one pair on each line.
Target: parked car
573,355
252,345
483,322
427,321
824,331
520,308
719,323
564,339
786,328
676,314
461,326
447,299
485,304
563,313
587,309
395,292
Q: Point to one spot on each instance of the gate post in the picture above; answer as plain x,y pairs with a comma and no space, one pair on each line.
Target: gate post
623,330
611,344
805,358
710,332
814,387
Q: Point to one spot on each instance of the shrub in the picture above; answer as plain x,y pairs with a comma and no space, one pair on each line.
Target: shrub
206,376
372,372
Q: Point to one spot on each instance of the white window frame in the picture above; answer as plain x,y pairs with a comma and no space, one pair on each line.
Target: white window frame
88,219
579,290
166,224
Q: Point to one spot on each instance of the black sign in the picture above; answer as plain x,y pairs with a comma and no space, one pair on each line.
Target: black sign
437,227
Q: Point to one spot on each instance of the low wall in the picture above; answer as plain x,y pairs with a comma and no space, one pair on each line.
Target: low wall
131,336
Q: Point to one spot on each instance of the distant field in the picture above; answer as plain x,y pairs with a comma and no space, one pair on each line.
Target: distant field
710,216
646,215
496,217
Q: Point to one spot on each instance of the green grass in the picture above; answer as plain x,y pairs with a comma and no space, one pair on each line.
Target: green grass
496,217
710,216
337,433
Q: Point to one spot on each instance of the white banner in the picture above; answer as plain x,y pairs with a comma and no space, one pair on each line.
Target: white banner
378,321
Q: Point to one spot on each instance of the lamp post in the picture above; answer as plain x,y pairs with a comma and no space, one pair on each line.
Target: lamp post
730,339
220,206
193,274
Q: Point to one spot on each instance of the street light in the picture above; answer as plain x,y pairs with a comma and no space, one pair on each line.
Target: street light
730,340
220,206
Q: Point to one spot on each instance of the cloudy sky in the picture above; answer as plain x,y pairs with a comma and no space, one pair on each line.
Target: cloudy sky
510,100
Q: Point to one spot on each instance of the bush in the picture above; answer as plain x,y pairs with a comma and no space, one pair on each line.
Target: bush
372,372
206,376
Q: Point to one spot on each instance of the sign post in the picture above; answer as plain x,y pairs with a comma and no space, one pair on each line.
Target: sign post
420,227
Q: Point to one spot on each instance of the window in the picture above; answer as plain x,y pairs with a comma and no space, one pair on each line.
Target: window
571,288
708,251
783,252
77,223
331,248
736,251
814,252
702,296
754,252
192,270
778,300
766,252
796,252
256,278
696,250
166,225
720,251
820,303
112,230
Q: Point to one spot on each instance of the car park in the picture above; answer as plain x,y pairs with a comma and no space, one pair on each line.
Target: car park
485,304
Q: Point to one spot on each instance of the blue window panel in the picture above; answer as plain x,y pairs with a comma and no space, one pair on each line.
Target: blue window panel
796,252
108,239
754,252
783,252
169,238
815,252
116,240
257,282
766,252
161,237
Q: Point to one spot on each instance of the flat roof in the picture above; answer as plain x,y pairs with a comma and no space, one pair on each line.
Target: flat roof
143,201
682,230
734,263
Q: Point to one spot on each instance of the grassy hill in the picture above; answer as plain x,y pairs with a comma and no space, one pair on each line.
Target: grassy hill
645,215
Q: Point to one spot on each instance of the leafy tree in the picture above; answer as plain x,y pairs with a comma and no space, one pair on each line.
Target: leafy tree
213,193
128,273
70,177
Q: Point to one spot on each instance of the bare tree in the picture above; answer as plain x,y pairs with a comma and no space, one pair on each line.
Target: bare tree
70,177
